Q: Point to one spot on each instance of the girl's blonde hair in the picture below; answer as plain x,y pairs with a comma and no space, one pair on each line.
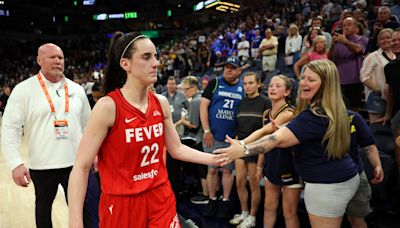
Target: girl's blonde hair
328,102
319,38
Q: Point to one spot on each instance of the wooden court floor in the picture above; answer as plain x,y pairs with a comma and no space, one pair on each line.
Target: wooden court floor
17,204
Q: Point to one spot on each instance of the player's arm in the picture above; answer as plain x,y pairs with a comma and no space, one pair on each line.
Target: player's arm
101,119
173,142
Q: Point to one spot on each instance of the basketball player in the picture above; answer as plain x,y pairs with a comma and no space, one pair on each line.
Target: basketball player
126,130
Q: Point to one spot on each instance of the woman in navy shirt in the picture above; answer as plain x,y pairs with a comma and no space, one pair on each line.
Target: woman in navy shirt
319,135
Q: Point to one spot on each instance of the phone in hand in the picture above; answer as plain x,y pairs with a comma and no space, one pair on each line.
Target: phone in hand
339,30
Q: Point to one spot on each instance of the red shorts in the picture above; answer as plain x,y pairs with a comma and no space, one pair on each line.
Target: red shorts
155,208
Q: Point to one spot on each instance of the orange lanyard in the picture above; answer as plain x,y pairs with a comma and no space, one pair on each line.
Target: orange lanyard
46,92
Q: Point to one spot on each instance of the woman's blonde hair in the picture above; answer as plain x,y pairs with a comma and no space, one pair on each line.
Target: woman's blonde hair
385,30
319,38
328,102
293,26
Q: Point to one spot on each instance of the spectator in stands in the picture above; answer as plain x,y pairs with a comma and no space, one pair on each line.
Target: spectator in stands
384,16
193,129
347,53
95,95
337,26
319,51
359,17
177,103
392,70
293,43
204,56
243,47
4,97
373,38
249,119
218,111
317,22
255,44
169,64
321,142
362,139
277,167
326,8
372,73
269,50
396,9
335,12
219,63
176,99
309,38
246,63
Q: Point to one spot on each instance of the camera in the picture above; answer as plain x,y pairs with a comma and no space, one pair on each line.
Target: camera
339,30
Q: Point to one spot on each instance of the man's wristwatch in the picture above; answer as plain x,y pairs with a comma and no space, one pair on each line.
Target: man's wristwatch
207,131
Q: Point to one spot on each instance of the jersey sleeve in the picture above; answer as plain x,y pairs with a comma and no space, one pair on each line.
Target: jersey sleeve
209,89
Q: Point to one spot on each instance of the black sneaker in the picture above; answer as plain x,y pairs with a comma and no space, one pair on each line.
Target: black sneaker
199,199
211,208
224,210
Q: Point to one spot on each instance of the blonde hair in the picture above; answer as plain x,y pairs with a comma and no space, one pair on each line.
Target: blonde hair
190,80
293,26
287,83
328,102
385,30
319,38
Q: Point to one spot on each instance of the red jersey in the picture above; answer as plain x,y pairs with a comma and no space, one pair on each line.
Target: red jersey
130,158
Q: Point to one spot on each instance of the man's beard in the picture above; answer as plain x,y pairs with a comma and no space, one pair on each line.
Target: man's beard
59,74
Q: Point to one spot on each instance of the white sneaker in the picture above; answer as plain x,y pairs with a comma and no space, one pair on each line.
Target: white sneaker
237,219
247,223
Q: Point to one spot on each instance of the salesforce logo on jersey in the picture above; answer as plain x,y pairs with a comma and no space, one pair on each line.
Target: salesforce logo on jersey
143,176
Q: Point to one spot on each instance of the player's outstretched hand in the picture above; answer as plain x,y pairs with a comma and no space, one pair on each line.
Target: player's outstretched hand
229,154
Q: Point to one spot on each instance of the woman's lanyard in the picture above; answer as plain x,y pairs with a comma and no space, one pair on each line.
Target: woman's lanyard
46,92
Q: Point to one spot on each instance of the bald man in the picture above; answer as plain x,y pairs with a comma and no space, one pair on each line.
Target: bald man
347,53
53,111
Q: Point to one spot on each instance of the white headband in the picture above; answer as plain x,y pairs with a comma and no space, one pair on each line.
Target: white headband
129,44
